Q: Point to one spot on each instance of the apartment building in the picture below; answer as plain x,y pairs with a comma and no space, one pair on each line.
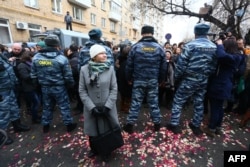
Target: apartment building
21,19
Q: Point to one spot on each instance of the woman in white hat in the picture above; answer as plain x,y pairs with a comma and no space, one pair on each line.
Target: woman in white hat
98,92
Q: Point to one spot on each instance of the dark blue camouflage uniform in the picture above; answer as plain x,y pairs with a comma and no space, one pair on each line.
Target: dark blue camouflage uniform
9,110
146,67
194,66
84,55
53,72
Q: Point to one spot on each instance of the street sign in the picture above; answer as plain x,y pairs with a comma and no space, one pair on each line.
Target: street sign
168,36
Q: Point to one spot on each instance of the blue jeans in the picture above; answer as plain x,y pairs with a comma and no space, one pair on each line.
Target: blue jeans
217,113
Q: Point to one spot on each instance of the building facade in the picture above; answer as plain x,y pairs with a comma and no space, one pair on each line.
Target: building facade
20,20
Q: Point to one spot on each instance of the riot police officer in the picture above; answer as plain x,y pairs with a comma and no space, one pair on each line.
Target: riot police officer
194,66
95,38
146,68
9,110
52,71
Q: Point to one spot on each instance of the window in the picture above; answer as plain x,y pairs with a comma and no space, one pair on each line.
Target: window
93,19
112,26
125,31
74,40
5,32
103,4
56,6
77,13
84,40
31,3
134,34
93,2
33,30
114,7
103,22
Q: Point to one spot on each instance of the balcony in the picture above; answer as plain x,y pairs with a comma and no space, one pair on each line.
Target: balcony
115,16
82,3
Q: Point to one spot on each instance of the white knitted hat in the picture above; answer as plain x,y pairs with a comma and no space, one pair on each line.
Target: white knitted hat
95,50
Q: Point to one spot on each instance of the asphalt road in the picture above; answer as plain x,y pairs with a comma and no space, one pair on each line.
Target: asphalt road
142,148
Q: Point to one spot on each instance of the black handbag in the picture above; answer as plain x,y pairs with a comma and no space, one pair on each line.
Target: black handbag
108,141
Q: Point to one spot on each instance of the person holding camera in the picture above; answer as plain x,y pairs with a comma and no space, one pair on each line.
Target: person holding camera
231,64
98,92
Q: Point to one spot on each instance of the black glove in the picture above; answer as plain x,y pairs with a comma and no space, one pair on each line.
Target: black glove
95,112
100,111
105,110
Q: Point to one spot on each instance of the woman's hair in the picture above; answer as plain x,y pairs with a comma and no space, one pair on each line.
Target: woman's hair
65,52
180,44
230,45
115,47
125,50
109,44
27,56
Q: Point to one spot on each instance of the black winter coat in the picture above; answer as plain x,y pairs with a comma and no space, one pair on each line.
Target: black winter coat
24,69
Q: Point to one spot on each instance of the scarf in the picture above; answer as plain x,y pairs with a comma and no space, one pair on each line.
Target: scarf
95,69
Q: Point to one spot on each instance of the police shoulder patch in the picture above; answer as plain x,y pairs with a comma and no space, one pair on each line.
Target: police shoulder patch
148,49
45,63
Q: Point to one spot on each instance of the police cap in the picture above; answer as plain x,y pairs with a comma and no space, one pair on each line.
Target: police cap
52,40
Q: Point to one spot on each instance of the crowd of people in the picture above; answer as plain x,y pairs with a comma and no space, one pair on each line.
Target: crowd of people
210,75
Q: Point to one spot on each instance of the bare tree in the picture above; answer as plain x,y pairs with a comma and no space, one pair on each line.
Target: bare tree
233,11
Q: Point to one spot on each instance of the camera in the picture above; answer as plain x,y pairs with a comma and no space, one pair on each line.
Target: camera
222,35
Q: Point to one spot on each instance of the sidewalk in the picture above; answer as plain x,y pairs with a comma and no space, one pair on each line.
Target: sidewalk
143,148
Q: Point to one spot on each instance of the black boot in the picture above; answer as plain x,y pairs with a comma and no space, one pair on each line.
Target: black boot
18,127
128,128
71,127
36,120
157,127
46,128
8,141
3,137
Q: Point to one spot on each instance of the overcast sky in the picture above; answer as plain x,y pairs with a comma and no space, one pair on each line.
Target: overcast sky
181,27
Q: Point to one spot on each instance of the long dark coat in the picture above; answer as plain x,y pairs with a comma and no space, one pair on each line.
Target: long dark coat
221,82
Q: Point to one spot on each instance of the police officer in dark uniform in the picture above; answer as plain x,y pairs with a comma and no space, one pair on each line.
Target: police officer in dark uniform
52,71
95,38
145,69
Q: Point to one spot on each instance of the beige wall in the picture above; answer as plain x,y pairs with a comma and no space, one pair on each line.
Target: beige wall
42,16
15,10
